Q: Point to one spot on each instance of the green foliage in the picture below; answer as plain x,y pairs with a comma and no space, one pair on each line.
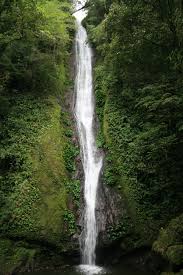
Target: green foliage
70,222
35,137
100,102
100,140
4,106
138,86
110,176
33,173
119,231
12,255
73,188
70,152
125,234
31,157
35,40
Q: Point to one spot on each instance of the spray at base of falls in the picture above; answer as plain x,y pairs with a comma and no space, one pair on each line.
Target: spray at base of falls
91,157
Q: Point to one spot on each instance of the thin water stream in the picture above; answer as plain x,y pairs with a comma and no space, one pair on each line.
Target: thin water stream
91,157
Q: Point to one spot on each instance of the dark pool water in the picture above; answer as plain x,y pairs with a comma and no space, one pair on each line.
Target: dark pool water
88,270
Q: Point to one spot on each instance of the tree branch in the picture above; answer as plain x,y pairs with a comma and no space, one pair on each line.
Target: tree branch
84,7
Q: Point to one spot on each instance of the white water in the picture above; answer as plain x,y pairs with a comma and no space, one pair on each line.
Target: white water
91,158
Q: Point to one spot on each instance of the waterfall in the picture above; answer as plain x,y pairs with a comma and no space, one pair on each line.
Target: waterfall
91,157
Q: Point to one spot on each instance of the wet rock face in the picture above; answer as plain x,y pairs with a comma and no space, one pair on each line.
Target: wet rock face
110,210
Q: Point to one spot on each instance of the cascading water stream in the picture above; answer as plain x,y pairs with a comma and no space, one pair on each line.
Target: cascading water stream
91,157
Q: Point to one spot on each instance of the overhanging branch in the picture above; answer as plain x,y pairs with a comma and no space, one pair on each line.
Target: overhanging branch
84,7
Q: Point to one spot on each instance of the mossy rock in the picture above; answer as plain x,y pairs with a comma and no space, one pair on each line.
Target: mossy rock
175,254
170,241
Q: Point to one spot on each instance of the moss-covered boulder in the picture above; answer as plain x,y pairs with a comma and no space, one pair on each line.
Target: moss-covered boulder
170,242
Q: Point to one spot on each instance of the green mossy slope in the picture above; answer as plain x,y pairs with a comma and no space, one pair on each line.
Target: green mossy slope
34,168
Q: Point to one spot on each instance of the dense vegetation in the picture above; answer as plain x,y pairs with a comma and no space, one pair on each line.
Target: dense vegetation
36,149
139,96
